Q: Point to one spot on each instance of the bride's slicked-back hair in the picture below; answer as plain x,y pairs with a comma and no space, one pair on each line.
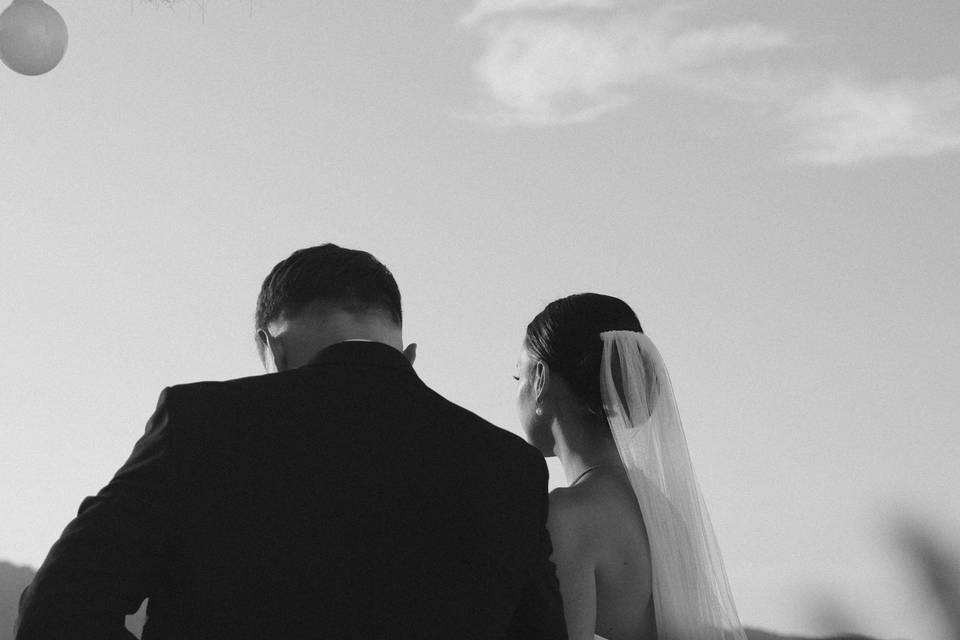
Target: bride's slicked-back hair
566,337
351,279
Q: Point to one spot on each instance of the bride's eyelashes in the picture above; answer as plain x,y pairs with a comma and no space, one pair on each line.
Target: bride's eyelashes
517,378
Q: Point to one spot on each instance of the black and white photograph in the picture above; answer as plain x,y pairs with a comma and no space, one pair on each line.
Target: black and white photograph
480,320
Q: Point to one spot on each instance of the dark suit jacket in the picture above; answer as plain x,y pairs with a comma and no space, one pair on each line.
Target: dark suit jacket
343,499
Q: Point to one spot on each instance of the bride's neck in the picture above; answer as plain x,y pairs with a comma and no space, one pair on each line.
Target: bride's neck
581,443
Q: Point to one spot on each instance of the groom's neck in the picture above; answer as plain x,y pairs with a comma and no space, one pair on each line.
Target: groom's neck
309,333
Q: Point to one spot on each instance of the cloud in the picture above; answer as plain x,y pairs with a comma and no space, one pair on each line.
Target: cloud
557,62
847,122
551,69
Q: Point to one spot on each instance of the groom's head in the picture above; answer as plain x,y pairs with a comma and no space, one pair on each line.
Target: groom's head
323,295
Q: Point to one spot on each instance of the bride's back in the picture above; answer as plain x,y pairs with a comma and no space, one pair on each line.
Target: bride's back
602,514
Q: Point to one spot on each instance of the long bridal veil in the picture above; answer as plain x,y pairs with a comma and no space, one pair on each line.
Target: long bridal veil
691,595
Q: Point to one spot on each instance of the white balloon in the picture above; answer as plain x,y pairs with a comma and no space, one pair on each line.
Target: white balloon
33,37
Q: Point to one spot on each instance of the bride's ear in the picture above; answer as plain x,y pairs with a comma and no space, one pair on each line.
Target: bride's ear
541,379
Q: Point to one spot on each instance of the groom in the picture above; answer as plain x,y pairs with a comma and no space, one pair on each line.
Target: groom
337,498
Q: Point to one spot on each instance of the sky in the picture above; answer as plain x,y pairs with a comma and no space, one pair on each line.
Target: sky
772,186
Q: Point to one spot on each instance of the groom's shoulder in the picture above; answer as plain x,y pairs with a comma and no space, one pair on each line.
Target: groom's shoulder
204,413
231,386
467,424
211,394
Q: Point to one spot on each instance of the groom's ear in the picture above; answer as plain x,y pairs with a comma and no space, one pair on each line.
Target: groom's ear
272,353
411,352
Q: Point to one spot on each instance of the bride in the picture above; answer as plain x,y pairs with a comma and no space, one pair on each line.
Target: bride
635,552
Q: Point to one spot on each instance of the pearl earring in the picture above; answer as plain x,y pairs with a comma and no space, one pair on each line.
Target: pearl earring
539,410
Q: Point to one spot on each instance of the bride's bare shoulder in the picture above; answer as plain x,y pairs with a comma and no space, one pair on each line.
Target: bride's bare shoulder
578,511
593,497
570,527
579,503
595,509
567,505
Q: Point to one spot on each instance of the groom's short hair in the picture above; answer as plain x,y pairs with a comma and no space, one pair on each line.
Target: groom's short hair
351,279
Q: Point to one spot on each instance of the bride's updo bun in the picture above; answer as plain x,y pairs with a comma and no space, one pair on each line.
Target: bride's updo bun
566,336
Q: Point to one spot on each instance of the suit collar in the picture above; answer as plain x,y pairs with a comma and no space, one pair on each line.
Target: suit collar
357,352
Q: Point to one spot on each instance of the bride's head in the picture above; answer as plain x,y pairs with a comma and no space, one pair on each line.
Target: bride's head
558,372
